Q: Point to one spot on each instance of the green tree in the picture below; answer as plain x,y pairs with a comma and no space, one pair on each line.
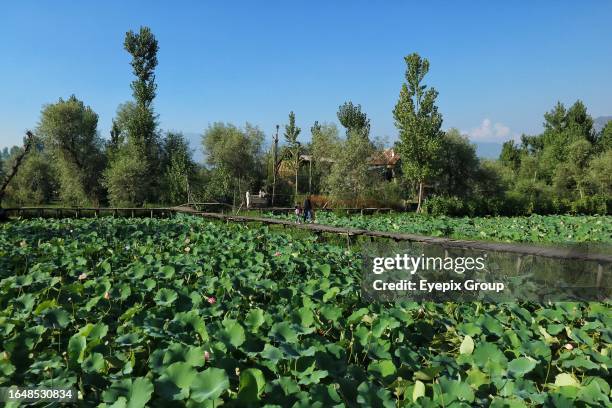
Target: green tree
36,181
141,124
119,128
294,147
604,142
510,155
135,128
68,129
120,177
571,176
324,148
353,119
179,168
458,165
419,122
234,160
600,173
350,179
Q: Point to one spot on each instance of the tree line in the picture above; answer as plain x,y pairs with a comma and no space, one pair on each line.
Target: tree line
567,168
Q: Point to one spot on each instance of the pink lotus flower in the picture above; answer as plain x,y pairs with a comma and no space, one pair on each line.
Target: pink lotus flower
106,295
83,276
206,356
277,253
569,346
211,300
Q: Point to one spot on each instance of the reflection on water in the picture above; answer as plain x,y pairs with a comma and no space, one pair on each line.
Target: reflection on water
524,277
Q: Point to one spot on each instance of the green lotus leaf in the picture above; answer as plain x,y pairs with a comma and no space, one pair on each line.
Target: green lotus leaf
195,321
56,317
331,313
93,363
167,272
427,373
128,339
454,390
233,333
566,380
467,345
209,384
305,317
370,395
521,366
252,384
271,353
254,319
283,332
135,393
25,303
418,390
176,352
76,348
383,369
165,297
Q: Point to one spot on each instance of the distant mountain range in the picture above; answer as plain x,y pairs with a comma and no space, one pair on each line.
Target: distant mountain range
488,150
600,122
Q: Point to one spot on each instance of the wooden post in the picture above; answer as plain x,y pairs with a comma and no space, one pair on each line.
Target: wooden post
274,165
310,175
599,275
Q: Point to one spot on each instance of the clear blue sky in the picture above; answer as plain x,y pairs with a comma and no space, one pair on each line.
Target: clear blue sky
497,65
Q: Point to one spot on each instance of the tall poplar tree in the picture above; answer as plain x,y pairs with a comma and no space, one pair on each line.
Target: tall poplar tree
132,177
353,119
291,134
419,122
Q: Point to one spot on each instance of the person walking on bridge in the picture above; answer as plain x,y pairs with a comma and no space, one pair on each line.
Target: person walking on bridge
307,209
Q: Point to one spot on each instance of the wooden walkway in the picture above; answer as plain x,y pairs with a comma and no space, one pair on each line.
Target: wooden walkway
519,249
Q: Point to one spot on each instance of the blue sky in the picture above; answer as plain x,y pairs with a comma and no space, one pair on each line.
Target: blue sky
497,65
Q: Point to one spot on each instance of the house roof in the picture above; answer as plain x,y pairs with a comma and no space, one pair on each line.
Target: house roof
387,157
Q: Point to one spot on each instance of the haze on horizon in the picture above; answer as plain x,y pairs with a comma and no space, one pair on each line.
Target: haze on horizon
498,67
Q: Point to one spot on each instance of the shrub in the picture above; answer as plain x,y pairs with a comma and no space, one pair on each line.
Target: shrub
124,180
596,204
441,205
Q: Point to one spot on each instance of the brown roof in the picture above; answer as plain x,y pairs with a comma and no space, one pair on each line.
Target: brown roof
387,157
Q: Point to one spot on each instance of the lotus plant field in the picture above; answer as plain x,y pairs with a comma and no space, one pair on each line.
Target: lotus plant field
184,312
558,229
